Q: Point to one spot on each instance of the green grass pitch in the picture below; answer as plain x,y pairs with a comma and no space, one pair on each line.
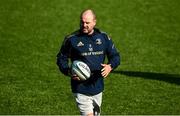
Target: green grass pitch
146,33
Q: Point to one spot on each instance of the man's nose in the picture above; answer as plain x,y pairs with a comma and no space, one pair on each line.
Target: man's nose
84,24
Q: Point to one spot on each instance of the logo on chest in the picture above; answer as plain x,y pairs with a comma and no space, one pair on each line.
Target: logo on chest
80,44
90,48
98,42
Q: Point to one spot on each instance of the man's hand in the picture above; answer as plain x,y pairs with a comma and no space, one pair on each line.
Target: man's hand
75,77
106,70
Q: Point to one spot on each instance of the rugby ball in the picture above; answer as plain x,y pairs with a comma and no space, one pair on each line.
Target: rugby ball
81,69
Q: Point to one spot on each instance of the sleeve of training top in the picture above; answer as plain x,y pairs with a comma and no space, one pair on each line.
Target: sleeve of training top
112,53
62,57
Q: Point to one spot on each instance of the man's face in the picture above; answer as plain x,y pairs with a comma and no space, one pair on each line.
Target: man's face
87,23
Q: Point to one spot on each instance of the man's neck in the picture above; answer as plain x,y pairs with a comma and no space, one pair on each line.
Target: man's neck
91,32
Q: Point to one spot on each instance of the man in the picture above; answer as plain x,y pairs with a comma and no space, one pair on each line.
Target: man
91,46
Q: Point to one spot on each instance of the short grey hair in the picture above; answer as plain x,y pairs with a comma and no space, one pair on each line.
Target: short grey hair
90,10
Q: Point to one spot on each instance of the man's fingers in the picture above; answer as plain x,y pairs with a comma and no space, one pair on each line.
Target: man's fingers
103,65
75,78
102,69
106,70
104,73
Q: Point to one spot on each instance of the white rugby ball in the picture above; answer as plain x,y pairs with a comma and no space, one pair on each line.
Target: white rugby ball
81,69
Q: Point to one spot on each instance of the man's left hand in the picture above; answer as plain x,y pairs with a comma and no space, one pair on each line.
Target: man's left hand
106,70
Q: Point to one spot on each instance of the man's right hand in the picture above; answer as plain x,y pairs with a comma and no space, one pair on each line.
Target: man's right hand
75,77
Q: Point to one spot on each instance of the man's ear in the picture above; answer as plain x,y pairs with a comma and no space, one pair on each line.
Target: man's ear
94,22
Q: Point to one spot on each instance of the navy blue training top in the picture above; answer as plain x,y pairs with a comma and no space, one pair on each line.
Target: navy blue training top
91,49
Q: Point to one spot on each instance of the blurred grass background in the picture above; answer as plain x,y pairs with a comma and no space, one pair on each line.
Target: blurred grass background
146,33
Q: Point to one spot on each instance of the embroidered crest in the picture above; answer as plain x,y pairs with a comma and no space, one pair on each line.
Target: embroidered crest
98,41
